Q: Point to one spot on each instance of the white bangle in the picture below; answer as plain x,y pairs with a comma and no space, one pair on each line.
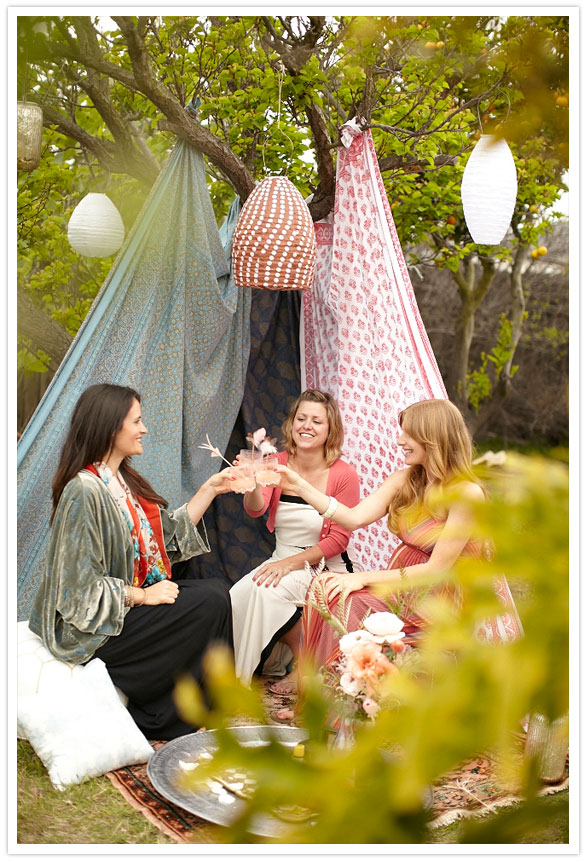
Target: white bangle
332,507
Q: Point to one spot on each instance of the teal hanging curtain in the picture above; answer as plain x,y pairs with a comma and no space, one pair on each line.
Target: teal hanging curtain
168,321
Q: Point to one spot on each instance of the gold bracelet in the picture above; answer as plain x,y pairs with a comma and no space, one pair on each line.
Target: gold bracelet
129,599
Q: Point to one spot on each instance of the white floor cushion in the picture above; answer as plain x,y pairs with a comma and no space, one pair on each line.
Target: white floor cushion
72,715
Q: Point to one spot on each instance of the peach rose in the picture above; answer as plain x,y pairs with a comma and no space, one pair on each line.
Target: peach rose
366,661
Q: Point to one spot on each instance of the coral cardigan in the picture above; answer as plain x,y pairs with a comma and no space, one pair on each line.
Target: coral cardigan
342,483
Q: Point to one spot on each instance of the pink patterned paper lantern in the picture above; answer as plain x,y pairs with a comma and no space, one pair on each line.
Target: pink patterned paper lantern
274,244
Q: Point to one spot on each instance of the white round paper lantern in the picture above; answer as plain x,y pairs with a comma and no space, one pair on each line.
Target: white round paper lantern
489,190
95,228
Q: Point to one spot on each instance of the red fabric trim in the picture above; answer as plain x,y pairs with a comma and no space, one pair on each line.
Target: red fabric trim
153,513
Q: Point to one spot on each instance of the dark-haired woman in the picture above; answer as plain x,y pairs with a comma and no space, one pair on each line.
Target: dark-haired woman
107,590
266,603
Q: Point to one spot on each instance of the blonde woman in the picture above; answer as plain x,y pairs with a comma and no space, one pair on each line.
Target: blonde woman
428,506
266,603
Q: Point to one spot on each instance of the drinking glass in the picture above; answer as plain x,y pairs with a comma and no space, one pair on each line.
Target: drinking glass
265,471
245,473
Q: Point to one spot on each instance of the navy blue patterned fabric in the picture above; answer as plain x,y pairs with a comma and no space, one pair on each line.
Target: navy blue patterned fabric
238,542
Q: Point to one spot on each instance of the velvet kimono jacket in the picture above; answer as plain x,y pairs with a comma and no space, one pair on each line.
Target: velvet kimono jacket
80,602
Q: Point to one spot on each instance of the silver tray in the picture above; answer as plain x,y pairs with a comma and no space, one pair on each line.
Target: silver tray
166,774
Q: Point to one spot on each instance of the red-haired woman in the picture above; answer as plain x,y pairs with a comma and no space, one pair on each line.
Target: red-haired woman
429,506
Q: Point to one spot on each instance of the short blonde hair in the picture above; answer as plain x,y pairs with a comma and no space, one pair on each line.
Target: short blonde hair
335,439
438,426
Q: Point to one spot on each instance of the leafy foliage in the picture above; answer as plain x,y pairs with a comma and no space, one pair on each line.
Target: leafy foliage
480,384
466,696
272,93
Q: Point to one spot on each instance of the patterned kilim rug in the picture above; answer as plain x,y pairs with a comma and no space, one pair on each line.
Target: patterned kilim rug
471,791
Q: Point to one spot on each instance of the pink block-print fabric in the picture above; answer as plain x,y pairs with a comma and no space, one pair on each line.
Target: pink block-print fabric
363,339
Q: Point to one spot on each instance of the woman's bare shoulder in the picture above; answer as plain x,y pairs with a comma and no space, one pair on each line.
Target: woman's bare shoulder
398,477
470,491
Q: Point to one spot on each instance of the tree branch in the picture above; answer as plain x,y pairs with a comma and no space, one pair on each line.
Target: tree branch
178,120
42,330
390,163
108,154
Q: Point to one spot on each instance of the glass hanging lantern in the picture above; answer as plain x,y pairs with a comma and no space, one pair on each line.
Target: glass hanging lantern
274,244
29,126
95,228
549,742
489,189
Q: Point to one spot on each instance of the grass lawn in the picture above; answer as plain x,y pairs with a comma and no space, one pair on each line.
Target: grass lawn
95,813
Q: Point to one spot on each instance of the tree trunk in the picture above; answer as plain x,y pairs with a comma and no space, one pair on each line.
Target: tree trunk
471,297
518,315
42,330
464,331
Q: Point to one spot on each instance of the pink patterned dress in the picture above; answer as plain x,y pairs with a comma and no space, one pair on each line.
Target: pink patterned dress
320,640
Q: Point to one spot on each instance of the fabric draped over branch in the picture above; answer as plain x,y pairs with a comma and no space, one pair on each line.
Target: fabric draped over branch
168,321
362,336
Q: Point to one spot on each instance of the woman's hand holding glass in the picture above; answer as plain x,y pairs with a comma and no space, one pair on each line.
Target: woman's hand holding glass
223,481
244,471
290,481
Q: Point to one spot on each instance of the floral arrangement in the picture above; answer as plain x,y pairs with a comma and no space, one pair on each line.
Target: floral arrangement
369,655
259,439
264,443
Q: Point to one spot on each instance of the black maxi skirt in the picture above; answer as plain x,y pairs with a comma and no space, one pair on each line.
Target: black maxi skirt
160,642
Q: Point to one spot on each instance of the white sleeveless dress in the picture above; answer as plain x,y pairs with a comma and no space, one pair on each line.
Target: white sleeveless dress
258,612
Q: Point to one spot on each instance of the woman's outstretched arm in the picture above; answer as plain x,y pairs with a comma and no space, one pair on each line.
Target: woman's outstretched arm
370,509
457,531
219,483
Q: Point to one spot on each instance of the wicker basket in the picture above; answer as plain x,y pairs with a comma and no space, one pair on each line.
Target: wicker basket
274,244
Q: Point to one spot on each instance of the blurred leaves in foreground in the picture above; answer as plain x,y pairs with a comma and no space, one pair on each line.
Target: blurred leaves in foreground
463,698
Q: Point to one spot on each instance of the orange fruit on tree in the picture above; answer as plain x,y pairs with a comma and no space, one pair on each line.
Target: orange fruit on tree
534,253
542,250
451,220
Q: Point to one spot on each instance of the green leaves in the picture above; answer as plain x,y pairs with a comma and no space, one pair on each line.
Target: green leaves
462,698
491,73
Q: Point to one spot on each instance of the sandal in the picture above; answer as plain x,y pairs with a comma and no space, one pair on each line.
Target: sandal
286,687
287,690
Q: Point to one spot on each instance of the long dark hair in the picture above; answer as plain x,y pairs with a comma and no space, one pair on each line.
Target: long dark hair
97,418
